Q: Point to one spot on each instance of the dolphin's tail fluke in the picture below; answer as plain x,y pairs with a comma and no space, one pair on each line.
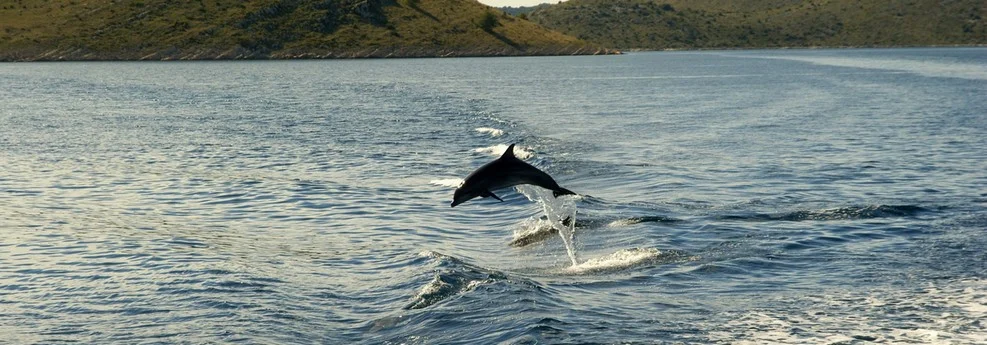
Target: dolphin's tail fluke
562,191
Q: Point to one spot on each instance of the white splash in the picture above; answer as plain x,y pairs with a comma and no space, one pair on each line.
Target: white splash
556,211
532,226
492,131
433,287
473,284
447,182
498,150
531,231
623,222
619,260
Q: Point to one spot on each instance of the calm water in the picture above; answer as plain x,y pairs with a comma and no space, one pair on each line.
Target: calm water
820,196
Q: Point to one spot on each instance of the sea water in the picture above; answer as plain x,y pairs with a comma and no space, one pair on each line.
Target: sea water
781,196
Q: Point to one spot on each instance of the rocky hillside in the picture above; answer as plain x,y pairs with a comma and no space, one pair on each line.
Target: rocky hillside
261,29
676,24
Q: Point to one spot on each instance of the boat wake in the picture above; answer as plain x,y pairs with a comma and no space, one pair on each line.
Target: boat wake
931,68
950,311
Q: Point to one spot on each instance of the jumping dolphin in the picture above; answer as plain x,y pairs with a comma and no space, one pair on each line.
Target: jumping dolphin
506,171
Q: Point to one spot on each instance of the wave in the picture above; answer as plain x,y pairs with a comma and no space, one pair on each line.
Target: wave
939,312
494,133
499,149
442,287
461,278
841,213
454,278
447,182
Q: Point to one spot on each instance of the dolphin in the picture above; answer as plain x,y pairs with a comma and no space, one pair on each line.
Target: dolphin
506,171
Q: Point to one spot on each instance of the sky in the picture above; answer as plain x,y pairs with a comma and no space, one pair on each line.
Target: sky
516,3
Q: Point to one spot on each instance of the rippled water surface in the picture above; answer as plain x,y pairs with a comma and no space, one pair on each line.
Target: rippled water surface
818,196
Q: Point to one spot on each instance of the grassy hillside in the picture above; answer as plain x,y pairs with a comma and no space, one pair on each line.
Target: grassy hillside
522,11
208,29
664,24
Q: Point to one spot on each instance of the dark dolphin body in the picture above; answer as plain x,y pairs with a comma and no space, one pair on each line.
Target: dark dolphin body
506,171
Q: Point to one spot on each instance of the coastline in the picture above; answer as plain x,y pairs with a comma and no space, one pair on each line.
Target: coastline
876,46
240,53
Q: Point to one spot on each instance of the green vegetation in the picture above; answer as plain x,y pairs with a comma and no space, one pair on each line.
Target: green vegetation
684,24
245,29
523,10
488,21
259,29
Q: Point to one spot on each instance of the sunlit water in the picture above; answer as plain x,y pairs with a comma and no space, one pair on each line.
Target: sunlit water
821,196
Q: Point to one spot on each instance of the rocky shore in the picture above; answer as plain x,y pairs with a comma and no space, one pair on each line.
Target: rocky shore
240,53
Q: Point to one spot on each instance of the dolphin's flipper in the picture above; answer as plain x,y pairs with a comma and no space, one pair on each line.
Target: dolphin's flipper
488,193
562,191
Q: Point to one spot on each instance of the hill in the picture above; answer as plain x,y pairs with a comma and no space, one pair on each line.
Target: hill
522,10
677,24
260,29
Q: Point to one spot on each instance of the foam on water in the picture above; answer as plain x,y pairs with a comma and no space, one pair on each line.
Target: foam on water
941,313
623,222
619,260
492,131
447,182
499,149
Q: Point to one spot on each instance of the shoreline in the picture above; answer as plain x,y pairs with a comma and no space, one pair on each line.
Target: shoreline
239,54
876,46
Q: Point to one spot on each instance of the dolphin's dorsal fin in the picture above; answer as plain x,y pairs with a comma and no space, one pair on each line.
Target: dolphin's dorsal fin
509,153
